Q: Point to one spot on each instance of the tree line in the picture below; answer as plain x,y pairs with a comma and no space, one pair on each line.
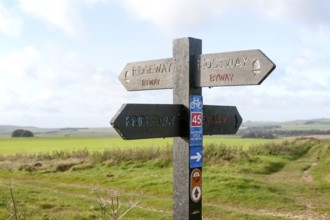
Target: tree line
271,133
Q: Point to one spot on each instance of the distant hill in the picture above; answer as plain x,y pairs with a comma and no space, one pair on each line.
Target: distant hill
297,128
6,130
311,124
296,125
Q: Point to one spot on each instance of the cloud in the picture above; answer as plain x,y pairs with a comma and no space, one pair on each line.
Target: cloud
19,63
172,15
169,14
56,78
299,11
62,14
62,85
91,2
10,24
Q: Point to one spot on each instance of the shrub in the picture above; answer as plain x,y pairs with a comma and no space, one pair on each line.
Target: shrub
22,133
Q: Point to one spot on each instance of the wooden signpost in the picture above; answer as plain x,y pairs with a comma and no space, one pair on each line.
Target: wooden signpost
187,120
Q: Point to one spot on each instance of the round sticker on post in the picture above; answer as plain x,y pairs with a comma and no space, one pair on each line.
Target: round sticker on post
196,194
196,185
196,177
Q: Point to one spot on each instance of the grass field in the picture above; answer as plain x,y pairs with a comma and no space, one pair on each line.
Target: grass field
242,178
49,144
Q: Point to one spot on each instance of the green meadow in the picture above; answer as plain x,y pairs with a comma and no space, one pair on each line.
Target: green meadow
49,144
68,178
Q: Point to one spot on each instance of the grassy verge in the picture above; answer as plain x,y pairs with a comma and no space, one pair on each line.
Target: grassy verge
287,180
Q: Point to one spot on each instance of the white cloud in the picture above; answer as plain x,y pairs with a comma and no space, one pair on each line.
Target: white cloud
10,24
299,11
62,14
169,14
63,85
91,2
19,63
173,15
58,82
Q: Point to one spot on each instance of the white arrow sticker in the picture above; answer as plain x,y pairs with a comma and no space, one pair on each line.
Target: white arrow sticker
196,157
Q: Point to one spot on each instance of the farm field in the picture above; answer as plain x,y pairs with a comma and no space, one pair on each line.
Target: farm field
49,144
242,178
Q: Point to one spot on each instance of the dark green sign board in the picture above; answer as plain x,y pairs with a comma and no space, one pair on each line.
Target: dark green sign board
141,121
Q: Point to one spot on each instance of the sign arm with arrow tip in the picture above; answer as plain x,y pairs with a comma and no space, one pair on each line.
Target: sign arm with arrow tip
238,68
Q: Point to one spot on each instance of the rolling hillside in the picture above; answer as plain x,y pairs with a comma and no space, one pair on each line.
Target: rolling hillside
6,130
322,124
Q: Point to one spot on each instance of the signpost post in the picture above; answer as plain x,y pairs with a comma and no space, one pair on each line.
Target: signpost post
187,120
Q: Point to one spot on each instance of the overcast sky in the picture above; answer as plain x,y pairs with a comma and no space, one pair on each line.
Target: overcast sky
60,59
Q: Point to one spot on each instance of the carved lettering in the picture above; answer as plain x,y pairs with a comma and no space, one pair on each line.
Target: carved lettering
150,82
237,62
167,121
150,121
158,68
164,69
152,69
215,120
221,77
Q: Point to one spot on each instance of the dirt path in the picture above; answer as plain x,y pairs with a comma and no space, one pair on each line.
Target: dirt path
307,177
298,172
308,205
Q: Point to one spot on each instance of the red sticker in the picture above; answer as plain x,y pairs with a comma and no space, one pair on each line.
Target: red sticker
196,119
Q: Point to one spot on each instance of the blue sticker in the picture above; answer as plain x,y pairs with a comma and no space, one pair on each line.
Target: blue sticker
196,120
196,157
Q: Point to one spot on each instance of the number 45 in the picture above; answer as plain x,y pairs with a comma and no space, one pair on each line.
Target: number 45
196,119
